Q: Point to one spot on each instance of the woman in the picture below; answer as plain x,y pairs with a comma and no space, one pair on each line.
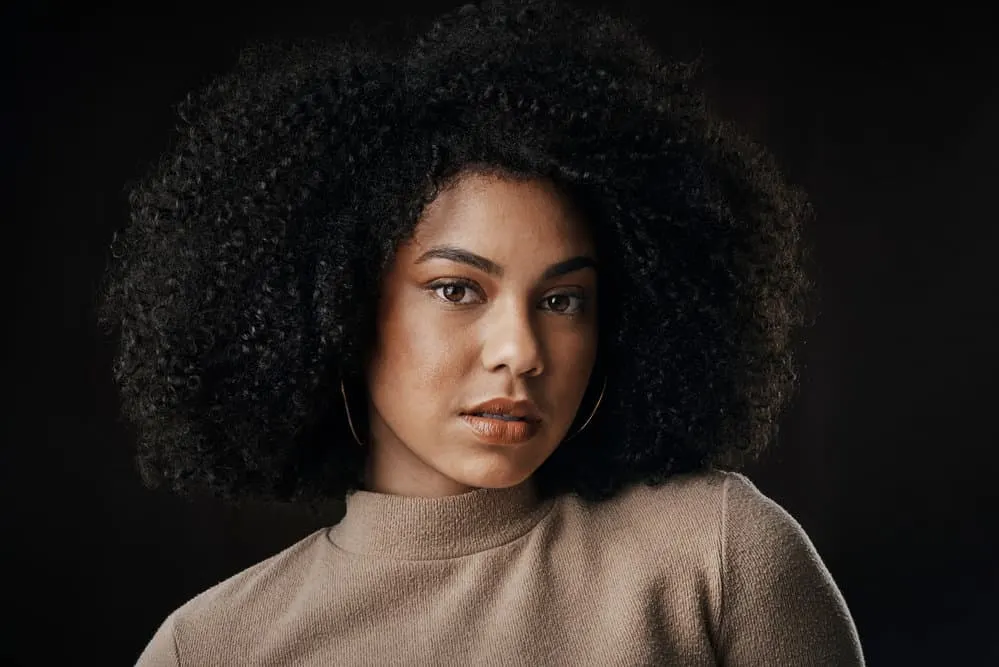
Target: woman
517,298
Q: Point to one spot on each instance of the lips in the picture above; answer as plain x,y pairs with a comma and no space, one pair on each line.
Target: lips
506,409
503,421
494,415
501,431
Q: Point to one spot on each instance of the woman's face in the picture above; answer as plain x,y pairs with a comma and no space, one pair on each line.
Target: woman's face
493,299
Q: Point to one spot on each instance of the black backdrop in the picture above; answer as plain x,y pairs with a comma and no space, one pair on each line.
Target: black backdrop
888,119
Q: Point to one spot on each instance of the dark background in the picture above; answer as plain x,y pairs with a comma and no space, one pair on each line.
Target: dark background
888,119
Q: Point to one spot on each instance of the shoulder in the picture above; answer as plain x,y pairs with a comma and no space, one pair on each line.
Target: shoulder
282,570
721,546
749,530
243,600
759,535
697,492
677,521
711,516
700,497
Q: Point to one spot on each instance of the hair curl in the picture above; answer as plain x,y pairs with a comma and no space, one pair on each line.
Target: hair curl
244,287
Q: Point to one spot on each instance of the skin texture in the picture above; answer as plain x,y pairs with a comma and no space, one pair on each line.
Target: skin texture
511,332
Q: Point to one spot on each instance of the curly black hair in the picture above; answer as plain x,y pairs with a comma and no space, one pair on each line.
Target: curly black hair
244,286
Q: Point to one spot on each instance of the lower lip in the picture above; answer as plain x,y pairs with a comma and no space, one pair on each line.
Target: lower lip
501,431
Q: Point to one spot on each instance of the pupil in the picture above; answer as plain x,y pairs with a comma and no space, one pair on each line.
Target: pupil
558,302
454,292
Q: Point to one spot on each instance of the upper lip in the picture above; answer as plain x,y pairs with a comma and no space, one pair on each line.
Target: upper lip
522,409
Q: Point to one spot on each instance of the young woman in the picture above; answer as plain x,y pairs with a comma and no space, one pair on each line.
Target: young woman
518,299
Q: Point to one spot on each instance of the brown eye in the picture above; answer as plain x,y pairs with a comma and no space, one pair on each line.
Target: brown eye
563,304
457,293
559,302
453,293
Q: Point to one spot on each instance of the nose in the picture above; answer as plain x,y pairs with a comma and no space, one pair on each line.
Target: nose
510,342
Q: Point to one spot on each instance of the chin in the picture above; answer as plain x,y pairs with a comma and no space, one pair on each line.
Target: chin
491,472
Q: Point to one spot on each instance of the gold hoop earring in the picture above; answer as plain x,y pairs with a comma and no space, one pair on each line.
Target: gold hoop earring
593,412
346,409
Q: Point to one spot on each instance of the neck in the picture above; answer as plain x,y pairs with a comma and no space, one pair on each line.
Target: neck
418,528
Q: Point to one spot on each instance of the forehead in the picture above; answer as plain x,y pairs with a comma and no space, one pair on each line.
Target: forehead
491,210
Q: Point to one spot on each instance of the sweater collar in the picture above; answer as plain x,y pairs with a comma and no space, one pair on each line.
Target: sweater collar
412,528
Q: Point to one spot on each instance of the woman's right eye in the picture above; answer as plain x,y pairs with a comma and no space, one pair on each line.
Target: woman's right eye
456,293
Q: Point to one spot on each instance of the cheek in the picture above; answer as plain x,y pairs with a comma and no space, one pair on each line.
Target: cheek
580,357
573,356
417,353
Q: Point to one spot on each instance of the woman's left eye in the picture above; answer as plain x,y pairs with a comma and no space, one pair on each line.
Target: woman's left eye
565,304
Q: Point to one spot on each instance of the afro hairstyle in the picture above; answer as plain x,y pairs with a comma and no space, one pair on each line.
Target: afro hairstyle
244,285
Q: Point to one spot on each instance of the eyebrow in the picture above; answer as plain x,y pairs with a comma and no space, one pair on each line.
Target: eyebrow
461,256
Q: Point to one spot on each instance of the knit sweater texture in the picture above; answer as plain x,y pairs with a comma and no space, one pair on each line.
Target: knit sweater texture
702,570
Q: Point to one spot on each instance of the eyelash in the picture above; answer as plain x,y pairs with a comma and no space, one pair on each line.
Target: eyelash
435,287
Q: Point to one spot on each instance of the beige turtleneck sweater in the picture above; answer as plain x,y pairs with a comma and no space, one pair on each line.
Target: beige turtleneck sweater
703,570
